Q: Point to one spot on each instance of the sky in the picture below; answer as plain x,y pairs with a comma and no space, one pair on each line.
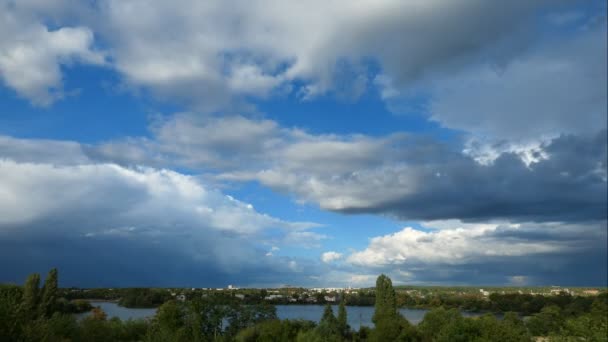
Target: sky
319,143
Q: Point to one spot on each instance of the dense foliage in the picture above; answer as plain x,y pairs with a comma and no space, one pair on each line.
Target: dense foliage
34,313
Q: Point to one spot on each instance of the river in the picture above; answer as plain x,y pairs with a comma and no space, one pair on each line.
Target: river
357,315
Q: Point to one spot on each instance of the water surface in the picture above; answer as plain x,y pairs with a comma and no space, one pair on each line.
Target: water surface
357,315
112,309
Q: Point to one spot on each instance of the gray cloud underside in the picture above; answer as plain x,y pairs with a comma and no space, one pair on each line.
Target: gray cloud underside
217,54
121,214
533,109
518,254
108,225
570,185
401,175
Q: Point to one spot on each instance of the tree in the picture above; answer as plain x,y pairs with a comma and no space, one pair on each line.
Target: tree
49,294
437,319
328,315
342,319
547,321
10,305
328,324
31,297
389,323
386,305
278,330
170,316
97,314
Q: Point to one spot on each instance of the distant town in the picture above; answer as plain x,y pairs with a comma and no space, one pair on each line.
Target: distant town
407,296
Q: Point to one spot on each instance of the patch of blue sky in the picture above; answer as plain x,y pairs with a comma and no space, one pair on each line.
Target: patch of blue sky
367,115
97,107
344,231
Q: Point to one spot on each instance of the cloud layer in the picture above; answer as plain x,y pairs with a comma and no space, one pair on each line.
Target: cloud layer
54,212
402,175
519,87
467,253
33,54
218,54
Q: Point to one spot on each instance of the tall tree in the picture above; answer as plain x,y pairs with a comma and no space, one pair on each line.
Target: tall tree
389,323
328,326
49,294
328,315
342,318
386,305
31,296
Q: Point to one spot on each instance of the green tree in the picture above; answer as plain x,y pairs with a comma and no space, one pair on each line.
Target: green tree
10,305
549,320
276,330
461,330
49,294
241,316
343,319
328,324
592,326
389,323
386,305
436,320
326,331
31,297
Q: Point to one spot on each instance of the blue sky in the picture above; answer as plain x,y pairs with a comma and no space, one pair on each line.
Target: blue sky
265,143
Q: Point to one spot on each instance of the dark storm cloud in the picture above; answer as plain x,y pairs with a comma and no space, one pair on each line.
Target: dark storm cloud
401,175
115,261
569,185
107,225
580,269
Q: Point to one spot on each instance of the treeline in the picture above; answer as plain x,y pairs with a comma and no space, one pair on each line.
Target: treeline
34,313
525,304
127,297
143,298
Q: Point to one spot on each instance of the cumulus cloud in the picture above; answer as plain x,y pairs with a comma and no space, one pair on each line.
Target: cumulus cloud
33,54
227,51
532,109
160,214
557,87
90,202
331,256
217,54
460,250
42,151
402,175
453,246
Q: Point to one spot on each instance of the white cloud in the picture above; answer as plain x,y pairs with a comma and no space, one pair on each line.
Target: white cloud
398,174
331,256
226,51
519,280
453,252
557,87
163,214
32,54
42,151
215,54
306,239
459,244
363,280
121,197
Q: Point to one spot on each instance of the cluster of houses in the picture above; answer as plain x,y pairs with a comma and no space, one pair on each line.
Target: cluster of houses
333,289
332,294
